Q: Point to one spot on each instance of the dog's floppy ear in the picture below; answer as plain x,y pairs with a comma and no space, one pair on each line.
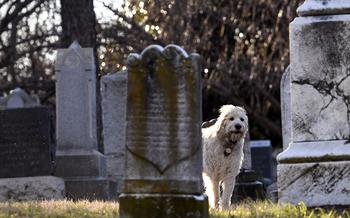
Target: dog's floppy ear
208,123
224,110
245,111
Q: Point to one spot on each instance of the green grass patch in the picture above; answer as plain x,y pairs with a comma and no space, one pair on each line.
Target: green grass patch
268,209
70,209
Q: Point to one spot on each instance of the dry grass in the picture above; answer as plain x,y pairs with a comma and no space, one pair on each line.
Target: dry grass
70,209
62,209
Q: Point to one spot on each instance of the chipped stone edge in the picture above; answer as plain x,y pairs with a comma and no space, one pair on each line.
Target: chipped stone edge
318,7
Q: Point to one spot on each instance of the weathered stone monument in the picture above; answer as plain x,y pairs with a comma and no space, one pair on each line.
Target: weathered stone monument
315,168
78,161
163,163
27,150
114,95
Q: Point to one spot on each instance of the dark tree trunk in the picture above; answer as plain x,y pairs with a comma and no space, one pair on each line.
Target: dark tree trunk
78,23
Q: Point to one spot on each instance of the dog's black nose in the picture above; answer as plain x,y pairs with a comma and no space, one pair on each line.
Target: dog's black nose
238,126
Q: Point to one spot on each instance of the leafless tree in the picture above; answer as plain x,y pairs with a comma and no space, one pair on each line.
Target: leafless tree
244,44
29,30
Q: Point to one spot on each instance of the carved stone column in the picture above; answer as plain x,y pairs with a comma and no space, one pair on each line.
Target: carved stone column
315,168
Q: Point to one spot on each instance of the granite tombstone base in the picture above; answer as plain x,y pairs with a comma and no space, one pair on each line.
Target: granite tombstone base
84,173
248,187
163,205
317,173
316,184
32,188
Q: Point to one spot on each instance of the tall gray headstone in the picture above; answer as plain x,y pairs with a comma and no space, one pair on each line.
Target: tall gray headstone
163,138
78,161
76,98
315,168
114,95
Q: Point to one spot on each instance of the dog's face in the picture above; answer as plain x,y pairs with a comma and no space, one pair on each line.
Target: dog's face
235,121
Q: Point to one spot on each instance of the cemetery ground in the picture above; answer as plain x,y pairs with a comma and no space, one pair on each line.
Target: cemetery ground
84,208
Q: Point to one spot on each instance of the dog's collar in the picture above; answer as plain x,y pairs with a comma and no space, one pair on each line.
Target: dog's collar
228,147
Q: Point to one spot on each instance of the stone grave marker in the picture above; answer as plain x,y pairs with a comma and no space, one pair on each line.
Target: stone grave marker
247,184
114,94
315,168
27,150
18,98
26,146
163,164
78,160
262,157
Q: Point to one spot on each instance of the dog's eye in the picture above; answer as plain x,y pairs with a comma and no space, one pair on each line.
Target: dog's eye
231,118
242,119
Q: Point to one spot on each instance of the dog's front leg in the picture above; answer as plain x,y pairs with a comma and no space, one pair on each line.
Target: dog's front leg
216,192
212,190
227,190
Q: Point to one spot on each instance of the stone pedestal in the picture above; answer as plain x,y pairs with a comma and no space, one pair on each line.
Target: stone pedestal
248,187
32,188
163,163
78,161
317,184
160,206
85,175
315,166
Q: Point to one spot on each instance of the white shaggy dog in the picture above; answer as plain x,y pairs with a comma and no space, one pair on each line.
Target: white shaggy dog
223,154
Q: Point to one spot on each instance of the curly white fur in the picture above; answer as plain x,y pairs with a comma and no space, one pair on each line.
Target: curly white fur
223,154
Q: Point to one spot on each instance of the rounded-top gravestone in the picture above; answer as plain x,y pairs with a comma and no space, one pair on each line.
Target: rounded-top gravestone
163,164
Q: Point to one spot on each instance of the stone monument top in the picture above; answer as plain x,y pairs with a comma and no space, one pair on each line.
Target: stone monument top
158,91
324,7
75,56
18,98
